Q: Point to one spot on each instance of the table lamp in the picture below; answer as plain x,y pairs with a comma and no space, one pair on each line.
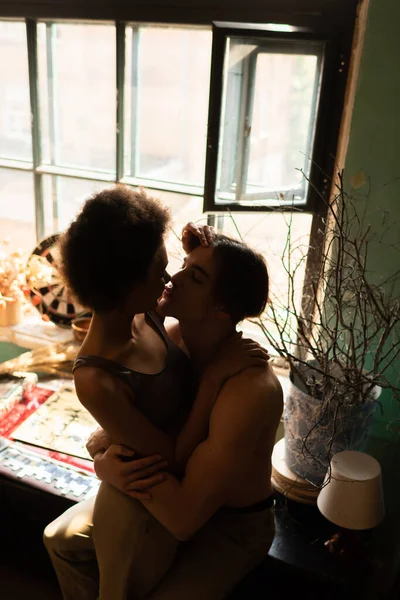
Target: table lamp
352,495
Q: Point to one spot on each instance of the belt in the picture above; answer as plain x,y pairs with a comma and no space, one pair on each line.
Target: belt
259,506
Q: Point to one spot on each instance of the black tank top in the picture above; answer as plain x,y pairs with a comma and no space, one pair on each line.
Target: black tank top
164,398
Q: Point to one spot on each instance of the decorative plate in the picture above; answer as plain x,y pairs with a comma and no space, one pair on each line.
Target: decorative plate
46,289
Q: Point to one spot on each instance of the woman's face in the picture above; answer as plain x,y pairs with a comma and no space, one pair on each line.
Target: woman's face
144,296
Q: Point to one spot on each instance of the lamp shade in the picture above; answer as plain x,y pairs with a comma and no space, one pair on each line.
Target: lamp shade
352,495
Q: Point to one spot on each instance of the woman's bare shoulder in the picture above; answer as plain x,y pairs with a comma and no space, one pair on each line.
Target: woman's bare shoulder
93,382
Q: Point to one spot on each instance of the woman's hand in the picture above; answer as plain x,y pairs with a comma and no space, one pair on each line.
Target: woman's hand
133,476
236,355
203,233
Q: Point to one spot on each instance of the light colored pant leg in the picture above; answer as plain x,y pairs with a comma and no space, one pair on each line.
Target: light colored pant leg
69,543
134,551
218,557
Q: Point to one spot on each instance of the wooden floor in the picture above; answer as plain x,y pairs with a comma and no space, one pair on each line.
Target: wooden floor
19,583
22,580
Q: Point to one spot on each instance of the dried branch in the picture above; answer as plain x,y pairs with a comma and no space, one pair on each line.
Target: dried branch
349,338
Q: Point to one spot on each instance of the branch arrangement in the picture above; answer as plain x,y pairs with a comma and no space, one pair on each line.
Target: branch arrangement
350,338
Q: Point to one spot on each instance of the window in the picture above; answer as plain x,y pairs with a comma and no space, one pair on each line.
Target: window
15,121
77,100
270,95
63,197
106,106
17,206
166,104
17,209
269,134
225,121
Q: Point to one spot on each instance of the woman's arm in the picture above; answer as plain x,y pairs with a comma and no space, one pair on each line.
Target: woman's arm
113,406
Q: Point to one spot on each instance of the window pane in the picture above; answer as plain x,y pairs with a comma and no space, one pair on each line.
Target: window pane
168,70
15,111
63,197
267,126
77,82
17,209
279,138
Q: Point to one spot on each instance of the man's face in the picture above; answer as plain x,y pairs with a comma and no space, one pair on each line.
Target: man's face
189,295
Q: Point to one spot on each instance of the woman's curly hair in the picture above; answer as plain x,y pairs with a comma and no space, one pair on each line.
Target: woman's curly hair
110,245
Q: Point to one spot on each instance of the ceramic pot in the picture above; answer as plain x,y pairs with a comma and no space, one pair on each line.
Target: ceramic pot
315,430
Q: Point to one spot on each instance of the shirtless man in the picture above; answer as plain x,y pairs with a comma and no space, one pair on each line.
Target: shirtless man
222,506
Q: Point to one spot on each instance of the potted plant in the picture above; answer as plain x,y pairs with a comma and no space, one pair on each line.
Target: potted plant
340,338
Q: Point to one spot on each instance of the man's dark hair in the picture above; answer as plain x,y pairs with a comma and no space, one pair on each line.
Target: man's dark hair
241,277
110,245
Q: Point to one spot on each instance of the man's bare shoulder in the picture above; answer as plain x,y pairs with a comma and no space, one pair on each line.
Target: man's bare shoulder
258,387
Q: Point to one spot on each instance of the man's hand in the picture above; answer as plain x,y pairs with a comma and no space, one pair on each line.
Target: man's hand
203,233
135,477
236,355
99,440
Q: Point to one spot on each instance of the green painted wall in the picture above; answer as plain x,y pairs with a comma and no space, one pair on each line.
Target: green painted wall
374,147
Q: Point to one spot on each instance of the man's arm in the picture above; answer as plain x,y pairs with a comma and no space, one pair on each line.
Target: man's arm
239,354
242,410
98,441
195,429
